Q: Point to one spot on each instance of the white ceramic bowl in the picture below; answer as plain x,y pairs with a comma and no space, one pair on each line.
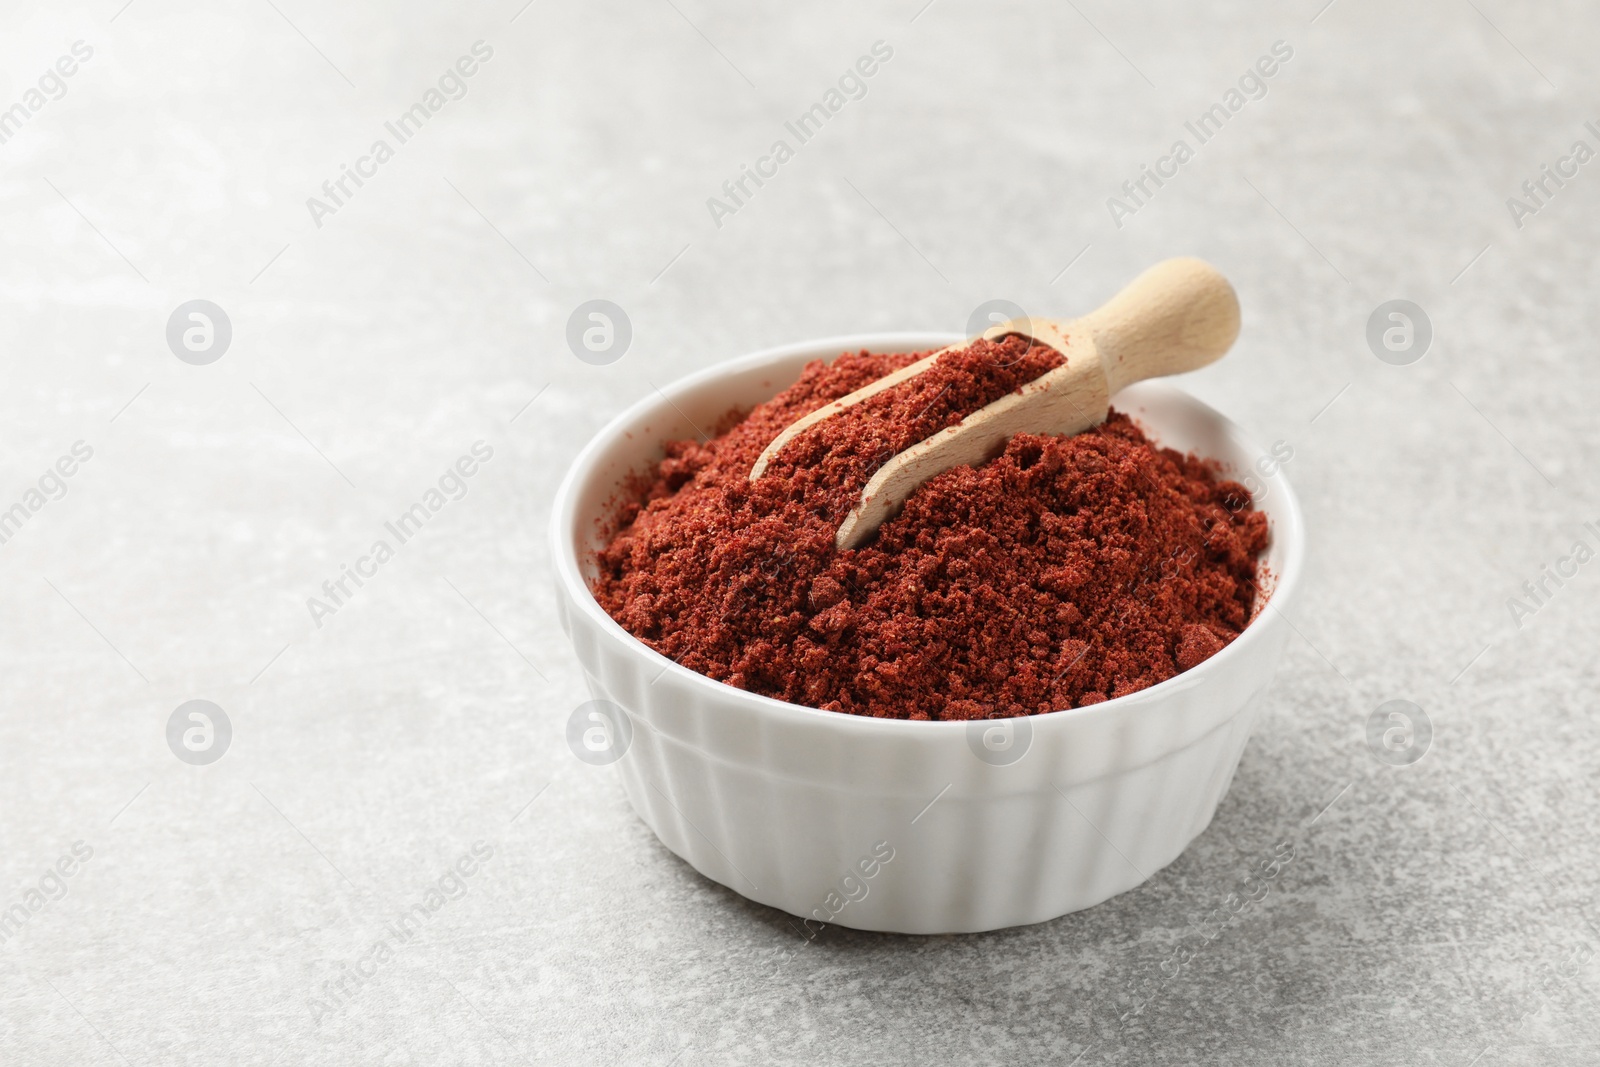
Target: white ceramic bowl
913,827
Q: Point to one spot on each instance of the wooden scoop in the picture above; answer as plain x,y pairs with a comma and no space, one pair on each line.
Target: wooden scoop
1177,316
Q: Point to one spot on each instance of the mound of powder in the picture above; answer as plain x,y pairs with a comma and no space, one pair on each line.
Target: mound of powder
1063,572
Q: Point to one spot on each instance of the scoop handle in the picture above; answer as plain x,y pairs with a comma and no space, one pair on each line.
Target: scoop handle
1178,316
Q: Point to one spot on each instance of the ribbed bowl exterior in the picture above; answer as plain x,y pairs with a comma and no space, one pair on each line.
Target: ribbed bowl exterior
914,827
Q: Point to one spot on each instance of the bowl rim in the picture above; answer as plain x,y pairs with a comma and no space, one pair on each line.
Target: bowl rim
1287,519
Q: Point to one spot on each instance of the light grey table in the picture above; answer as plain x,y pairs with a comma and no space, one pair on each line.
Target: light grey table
1440,911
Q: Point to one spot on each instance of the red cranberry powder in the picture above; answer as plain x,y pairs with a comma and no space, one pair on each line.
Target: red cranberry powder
1063,572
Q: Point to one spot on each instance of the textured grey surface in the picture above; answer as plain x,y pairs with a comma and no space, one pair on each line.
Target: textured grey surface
1437,913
